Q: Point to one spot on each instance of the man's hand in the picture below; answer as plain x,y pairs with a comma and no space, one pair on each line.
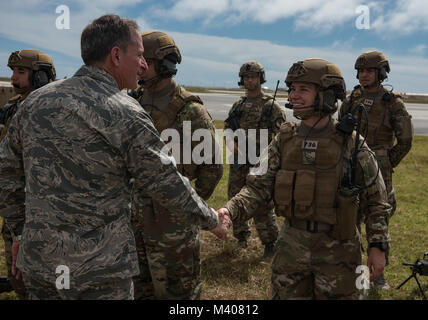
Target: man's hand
376,263
223,225
15,249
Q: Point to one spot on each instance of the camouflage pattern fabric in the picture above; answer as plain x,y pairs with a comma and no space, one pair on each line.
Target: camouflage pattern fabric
395,123
252,117
39,289
323,258
265,224
75,145
7,112
314,266
168,243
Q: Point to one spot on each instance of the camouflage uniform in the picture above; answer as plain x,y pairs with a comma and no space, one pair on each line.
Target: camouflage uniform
6,114
74,145
255,113
309,264
387,121
167,242
37,62
309,180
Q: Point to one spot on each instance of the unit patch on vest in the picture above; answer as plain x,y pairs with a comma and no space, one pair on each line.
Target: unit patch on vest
249,104
368,102
309,149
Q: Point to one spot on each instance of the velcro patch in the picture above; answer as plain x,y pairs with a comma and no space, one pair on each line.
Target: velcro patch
368,102
309,145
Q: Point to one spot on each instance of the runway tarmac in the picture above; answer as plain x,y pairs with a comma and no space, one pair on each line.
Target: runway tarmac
219,104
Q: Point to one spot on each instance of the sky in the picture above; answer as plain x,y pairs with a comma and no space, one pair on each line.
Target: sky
216,37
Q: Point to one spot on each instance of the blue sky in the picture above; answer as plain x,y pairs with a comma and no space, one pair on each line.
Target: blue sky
216,36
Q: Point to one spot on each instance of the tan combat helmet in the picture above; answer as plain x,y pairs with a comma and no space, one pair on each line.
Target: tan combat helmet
251,67
376,60
161,47
326,76
40,63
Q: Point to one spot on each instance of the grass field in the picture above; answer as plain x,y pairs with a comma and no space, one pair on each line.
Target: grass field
229,272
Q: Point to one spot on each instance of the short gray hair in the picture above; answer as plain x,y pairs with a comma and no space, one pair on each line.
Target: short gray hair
104,33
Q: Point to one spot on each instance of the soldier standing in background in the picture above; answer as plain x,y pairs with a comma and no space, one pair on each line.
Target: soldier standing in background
31,69
168,242
386,125
75,145
255,110
308,178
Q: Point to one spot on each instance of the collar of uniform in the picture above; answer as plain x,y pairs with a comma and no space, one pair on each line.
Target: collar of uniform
159,99
374,95
316,132
97,74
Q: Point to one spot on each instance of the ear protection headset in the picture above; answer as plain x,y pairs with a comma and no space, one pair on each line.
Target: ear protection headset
166,68
262,79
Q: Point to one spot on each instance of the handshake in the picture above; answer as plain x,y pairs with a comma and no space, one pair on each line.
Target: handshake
224,223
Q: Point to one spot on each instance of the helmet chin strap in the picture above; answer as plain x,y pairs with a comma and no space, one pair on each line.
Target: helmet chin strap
150,83
19,90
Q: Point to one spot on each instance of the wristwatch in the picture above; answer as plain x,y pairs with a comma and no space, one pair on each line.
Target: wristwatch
382,246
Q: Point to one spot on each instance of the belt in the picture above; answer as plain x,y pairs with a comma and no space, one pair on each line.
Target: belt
310,226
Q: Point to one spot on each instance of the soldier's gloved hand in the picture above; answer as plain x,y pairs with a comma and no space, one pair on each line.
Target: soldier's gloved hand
223,225
376,263
15,249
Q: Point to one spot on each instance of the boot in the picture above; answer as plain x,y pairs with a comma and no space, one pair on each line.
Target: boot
381,283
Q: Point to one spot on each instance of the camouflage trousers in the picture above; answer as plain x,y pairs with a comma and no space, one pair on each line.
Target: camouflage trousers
168,250
314,266
17,285
264,219
40,289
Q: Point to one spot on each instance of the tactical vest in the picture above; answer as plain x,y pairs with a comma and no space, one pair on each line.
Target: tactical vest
6,114
249,118
380,134
309,191
165,119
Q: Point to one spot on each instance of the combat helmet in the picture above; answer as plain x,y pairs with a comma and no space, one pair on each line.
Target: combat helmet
43,69
326,76
376,60
161,47
251,67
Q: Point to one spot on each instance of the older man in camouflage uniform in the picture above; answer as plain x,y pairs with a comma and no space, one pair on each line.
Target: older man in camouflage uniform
318,249
75,145
255,110
31,69
168,242
385,122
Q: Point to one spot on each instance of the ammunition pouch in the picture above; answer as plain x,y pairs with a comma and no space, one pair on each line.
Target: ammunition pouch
347,211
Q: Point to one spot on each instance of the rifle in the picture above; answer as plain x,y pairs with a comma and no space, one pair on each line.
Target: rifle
5,285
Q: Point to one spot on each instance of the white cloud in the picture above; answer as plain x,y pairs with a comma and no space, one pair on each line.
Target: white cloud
211,60
307,14
405,17
215,61
419,49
